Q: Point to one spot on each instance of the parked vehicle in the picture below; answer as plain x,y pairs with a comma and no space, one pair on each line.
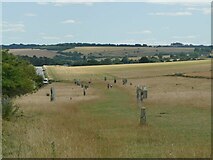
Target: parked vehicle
45,81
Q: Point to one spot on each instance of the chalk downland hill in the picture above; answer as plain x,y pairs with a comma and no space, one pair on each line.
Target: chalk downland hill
33,52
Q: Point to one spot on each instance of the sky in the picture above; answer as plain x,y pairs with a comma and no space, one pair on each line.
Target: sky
152,23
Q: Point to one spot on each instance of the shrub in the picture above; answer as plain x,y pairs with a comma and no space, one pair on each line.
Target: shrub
9,109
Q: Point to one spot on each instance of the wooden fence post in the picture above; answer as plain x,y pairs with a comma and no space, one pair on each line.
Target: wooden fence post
52,96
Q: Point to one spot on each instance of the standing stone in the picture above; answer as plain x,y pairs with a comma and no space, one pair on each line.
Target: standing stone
145,92
143,116
114,80
108,85
84,92
52,92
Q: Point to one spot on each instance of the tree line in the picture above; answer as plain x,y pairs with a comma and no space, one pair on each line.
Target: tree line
64,46
18,78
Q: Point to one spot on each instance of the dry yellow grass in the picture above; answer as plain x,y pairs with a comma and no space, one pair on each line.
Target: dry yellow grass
33,52
205,74
46,122
128,70
105,123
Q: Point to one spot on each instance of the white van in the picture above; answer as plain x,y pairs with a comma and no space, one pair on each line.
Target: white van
45,81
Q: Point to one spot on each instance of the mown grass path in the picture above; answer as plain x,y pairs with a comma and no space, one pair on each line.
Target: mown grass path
116,123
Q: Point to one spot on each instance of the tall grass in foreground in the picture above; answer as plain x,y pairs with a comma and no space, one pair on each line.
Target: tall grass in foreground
9,109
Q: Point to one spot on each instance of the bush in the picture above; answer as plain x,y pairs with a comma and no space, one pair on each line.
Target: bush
9,109
144,60
18,76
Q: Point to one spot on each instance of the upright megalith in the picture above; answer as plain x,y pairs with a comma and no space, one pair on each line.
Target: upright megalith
52,94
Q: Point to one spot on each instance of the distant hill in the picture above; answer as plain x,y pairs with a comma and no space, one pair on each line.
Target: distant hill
34,52
78,54
115,51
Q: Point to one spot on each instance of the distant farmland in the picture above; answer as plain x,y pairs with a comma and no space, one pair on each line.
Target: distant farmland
131,51
33,52
103,52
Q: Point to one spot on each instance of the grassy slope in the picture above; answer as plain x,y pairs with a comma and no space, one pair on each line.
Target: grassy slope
33,52
109,125
131,51
178,134
128,70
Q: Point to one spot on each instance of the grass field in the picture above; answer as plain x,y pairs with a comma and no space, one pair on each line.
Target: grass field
33,52
105,122
131,51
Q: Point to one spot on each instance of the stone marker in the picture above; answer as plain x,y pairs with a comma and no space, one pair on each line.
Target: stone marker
114,80
52,94
143,116
145,92
84,92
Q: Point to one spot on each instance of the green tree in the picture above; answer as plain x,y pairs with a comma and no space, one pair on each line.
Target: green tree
144,60
18,76
106,61
116,61
125,60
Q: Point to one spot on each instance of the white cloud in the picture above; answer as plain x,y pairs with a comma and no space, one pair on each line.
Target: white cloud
69,36
185,13
30,14
50,37
166,28
204,10
42,33
63,3
185,37
140,41
68,21
14,38
141,32
12,27
178,1
42,3
60,3
127,41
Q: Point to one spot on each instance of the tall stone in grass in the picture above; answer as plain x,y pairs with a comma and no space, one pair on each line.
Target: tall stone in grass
114,80
124,81
52,94
143,116
84,92
145,92
139,93
75,81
